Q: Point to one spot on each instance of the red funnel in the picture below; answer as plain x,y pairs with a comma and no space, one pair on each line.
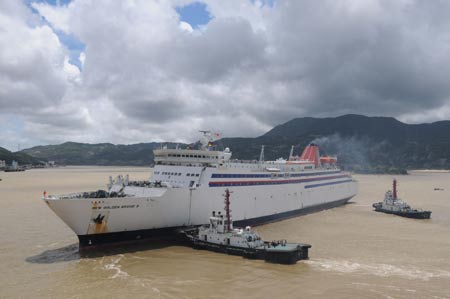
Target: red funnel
311,153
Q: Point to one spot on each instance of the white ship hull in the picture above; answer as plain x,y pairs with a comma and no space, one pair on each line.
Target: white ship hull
163,209
188,185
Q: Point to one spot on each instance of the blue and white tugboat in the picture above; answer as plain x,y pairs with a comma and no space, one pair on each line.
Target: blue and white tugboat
220,236
394,205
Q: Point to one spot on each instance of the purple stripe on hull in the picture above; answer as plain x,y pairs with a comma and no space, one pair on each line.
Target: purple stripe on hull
272,182
326,184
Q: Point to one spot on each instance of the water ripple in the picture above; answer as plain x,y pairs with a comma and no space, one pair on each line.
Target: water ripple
382,270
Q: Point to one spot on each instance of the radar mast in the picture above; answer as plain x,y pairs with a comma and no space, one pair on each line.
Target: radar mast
208,137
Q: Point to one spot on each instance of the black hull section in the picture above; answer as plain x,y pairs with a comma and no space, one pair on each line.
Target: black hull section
413,214
275,256
96,241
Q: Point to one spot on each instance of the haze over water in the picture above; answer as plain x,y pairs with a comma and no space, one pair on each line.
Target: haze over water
356,252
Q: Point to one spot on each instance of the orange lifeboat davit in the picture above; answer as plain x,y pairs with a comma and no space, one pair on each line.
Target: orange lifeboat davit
328,160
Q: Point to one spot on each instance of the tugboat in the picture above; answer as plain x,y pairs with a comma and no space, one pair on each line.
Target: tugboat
394,205
220,236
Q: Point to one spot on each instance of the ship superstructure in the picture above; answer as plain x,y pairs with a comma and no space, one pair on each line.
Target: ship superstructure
187,184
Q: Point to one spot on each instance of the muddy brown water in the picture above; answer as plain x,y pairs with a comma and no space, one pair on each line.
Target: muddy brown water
356,252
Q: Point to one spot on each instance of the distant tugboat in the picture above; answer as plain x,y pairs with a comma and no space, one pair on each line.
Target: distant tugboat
393,205
220,236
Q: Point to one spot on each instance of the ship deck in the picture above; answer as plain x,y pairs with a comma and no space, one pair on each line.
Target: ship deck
288,247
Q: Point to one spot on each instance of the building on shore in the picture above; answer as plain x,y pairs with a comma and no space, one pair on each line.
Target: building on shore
2,164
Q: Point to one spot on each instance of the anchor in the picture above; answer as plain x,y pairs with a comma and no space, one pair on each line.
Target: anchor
99,219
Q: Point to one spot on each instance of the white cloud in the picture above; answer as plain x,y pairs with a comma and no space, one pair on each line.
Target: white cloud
31,64
148,76
428,115
82,58
186,27
72,72
56,15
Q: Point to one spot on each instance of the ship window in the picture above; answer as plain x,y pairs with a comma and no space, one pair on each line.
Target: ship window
188,174
197,174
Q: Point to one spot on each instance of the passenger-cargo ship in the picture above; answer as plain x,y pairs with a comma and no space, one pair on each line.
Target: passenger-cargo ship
186,186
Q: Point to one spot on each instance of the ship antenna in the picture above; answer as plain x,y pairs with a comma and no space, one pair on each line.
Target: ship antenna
227,209
261,155
394,188
208,137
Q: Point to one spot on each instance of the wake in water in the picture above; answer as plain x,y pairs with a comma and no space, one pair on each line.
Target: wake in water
115,266
50,256
382,270
119,273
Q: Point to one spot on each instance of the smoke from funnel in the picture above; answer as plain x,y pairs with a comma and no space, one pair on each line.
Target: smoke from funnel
353,152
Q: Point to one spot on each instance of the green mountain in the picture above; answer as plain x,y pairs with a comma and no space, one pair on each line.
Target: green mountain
72,153
20,157
362,144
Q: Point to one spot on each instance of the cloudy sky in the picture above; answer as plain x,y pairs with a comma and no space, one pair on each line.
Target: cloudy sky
141,70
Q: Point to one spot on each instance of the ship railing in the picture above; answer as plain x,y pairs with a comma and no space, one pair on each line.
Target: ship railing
99,194
66,196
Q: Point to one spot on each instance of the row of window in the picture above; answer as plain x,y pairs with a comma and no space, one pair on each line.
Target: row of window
193,156
228,175
247,175
230,184
176,173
